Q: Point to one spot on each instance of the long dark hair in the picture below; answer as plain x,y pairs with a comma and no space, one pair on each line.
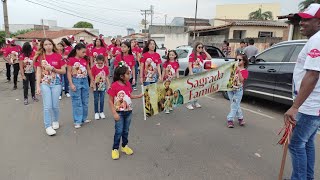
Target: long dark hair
95,43
195,50
128,44
245,60
118,72
116,43
65,40
146,47
175,52
73,53
41,51
26,49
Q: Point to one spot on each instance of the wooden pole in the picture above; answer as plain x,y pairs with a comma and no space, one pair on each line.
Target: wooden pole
283,162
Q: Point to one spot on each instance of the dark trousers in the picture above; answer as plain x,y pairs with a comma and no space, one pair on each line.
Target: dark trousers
8,67
30,78
16,69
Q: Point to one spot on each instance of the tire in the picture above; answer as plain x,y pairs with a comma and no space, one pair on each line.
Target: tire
225,95
186,72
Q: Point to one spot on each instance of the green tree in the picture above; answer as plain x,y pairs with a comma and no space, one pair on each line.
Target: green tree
304,4
259,15
2,37
83,24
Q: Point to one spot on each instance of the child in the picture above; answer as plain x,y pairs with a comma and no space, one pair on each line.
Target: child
121,108
78,71
196,59
235,96
65,82
100,73
171,66
28,72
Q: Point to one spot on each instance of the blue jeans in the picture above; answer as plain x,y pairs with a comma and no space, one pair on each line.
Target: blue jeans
148,83
80,100
98,96
136,68
111,67
302,146
122,129
50,99
65,84
235,97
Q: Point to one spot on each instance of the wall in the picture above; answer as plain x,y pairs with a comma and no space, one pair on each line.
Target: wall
174,40
242,11
208,40
253,31
166,29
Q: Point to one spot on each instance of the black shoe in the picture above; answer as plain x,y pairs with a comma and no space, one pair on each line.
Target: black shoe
15,87
25,102
35,99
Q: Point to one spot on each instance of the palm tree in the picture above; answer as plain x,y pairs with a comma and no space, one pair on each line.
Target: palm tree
259,15
304,4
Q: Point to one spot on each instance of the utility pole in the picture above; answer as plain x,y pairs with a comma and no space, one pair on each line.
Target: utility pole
195,21
165,19
145,13
151,12
6,19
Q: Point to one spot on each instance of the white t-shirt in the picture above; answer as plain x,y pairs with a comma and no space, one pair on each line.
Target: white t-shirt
308,59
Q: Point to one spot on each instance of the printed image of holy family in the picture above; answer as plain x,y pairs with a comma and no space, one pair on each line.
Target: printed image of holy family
169,99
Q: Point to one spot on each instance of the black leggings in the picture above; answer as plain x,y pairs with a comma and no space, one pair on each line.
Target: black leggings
8,67
30,78
16,69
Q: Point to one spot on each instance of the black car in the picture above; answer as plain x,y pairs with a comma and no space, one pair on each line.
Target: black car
270,72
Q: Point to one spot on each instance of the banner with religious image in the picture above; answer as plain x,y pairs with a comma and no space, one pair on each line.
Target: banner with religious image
168,95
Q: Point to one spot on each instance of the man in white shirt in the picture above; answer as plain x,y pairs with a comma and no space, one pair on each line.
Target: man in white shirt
304,114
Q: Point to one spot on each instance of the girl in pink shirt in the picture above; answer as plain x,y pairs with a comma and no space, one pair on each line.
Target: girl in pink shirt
98,49
121,107
50,67
114,51
171,66
235,96
150,71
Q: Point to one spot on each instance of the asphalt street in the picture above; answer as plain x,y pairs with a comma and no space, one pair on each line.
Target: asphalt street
184,145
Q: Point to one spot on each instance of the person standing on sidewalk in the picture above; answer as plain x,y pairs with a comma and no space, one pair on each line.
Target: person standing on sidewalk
28,72
50,67
304,114
11,56
78,72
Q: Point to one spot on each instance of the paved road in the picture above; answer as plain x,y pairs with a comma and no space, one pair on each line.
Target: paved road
186,145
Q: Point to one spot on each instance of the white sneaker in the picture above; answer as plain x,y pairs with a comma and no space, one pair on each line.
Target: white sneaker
62,88
68,95
77,126
102,115
50,131
96,116
190,107
87,121
197,105
55,125
167,111
60,97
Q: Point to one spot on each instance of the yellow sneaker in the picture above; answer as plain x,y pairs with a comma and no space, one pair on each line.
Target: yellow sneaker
126,150
115,154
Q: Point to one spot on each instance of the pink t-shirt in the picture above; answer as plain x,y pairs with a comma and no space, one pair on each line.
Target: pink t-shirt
122,96
110,47
27,63
79,67
128,59
244,73
198,63
55,60
236,82
100,77
171,68
136,50
34,49
116,50
98,51
151,61
12,52
89,49
67,50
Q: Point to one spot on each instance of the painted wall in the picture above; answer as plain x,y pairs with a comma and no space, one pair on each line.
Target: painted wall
253,31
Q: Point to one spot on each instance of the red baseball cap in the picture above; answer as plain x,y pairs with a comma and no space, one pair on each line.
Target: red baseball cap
71,37
34,40
313,11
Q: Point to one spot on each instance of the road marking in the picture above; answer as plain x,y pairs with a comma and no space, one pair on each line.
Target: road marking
246,109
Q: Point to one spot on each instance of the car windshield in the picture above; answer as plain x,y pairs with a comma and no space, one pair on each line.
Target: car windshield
182,53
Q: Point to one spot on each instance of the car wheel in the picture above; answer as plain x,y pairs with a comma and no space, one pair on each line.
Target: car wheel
225,95
186,72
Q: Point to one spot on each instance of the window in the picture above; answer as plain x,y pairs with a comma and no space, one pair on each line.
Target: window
214,53
239,34
263,34
295,53
182,53
276,54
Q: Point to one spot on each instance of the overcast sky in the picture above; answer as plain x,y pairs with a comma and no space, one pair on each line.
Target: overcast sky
114,16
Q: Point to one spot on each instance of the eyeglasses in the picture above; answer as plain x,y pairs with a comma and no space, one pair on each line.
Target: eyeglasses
239,59
200,47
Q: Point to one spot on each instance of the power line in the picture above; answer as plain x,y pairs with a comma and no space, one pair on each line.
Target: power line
74,14
91,15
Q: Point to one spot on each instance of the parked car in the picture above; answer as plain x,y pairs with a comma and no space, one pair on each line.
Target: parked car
270,72
185,51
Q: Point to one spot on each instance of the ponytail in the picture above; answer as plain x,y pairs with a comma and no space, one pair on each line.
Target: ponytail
73,53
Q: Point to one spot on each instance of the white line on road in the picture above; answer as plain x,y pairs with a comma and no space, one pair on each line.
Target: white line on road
252,111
